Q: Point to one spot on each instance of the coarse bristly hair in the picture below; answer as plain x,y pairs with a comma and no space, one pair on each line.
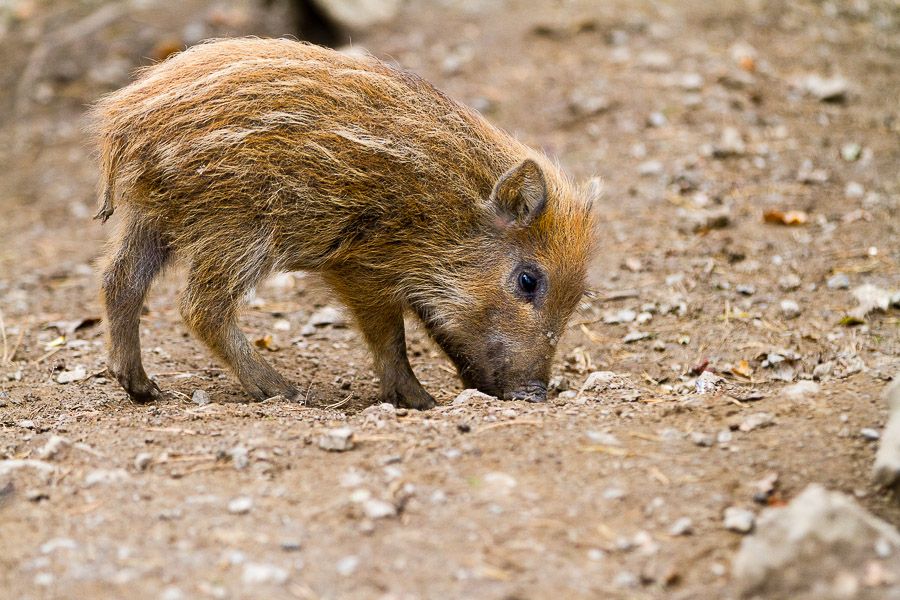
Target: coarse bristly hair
247,156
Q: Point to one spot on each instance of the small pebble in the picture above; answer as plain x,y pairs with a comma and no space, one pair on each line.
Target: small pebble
869,434
200,398
739,519
790,309
789,282
839,281
53,447
240,457
337,440
702,439
378,509
142,461
801,389
347,565
471,395
683,526
240,505
756,421
76,374
260,573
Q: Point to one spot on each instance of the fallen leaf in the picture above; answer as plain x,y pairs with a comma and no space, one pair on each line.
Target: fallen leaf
266,343
851,321
790,217
743,369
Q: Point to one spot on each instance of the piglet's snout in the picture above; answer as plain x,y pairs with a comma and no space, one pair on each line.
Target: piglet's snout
534,391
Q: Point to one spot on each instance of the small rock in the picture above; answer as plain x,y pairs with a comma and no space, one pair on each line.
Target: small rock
262,573
657,119
756,421
626,579
200,398
789,309
702,439
869,434
823,370
601,437
142,461
327,315
650,168
105,477
798,550
831,89
337,440
589,100
683,526
724,436
655,60
886,469
620,316
807,174
347,565
607,382
690,82
850,152
708,383
730,144
789,282
76,374
635,336
55,544
739,519
378,509
745,289
240,457
240,505
802,389
558,383
838,281
498,483
470,396
871,298
52,447
854,189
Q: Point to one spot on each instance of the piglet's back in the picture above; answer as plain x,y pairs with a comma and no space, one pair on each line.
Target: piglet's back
282,125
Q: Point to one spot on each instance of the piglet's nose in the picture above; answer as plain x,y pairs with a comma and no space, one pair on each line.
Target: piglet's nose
535,391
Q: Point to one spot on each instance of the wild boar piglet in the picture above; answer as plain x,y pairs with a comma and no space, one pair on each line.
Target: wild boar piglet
245,157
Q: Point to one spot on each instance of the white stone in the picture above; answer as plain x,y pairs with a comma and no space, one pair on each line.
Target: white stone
470,396
261,573
739,519
337,440
240,505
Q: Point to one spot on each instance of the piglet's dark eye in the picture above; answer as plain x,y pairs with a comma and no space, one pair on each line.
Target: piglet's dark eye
528,283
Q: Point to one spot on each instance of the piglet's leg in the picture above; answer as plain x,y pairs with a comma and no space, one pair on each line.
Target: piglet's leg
209,306
381,324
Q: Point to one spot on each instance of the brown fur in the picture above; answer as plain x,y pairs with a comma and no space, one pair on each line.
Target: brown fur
249,156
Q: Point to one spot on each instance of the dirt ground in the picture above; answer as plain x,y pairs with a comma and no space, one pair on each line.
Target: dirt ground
699,117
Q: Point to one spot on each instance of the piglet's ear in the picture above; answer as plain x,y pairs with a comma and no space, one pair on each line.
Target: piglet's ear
520,195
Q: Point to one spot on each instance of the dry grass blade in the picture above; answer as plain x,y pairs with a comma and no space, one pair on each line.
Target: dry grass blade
340,403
